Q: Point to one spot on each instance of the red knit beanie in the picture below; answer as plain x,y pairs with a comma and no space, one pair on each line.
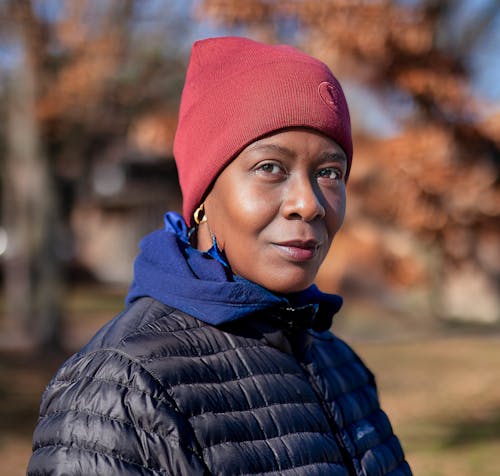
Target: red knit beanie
238,90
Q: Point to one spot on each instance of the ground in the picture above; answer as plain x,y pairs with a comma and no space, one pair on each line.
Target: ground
440,386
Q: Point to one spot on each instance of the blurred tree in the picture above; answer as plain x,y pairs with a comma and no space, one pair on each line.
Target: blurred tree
78,75
436,176
29,203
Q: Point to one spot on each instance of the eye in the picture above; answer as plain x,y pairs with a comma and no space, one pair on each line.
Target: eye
331,173
270,168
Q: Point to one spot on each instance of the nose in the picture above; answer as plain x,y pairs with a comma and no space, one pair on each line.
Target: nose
302,200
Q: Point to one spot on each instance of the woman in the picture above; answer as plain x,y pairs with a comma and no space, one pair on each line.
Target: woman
222,362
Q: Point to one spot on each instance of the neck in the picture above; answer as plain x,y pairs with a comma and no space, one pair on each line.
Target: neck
202,238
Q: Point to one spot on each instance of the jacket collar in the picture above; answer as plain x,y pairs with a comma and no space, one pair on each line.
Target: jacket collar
201,284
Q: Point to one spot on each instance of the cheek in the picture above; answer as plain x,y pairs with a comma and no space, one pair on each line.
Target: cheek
239,215
335,212
257,213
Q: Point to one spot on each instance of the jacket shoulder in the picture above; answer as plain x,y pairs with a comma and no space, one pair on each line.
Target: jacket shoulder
104,412
142,316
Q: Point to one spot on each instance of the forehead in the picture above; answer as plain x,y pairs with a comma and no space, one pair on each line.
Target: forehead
291,142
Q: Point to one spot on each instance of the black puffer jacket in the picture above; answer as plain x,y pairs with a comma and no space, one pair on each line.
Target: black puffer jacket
158,392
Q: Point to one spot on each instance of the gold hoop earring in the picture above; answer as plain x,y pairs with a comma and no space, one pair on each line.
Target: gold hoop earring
199,216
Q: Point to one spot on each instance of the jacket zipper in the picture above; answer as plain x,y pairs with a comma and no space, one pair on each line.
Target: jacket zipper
334,428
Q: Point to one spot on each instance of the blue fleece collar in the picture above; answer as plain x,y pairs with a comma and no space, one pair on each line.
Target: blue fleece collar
201,284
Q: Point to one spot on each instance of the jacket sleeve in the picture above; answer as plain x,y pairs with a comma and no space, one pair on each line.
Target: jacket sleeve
103,413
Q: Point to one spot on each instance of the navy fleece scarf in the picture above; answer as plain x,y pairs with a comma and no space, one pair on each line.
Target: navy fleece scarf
201,284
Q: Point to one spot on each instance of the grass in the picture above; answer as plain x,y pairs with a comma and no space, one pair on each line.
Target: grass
440,386
443,398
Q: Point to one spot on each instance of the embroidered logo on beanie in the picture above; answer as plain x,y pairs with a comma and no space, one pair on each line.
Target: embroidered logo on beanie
327,91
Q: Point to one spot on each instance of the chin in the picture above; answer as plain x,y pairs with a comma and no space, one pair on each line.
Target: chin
287,286
292,289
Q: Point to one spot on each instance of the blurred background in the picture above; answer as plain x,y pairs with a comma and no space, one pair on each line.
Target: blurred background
89,91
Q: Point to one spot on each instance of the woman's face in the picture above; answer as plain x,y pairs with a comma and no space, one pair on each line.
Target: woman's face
276,208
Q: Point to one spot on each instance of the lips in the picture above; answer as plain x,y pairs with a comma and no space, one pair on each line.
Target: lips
298,250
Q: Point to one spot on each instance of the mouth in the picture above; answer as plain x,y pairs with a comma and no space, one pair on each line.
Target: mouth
298,250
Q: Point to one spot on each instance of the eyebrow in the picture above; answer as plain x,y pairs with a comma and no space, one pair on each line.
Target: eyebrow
272,148
340,156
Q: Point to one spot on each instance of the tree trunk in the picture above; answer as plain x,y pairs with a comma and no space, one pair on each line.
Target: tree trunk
32,271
